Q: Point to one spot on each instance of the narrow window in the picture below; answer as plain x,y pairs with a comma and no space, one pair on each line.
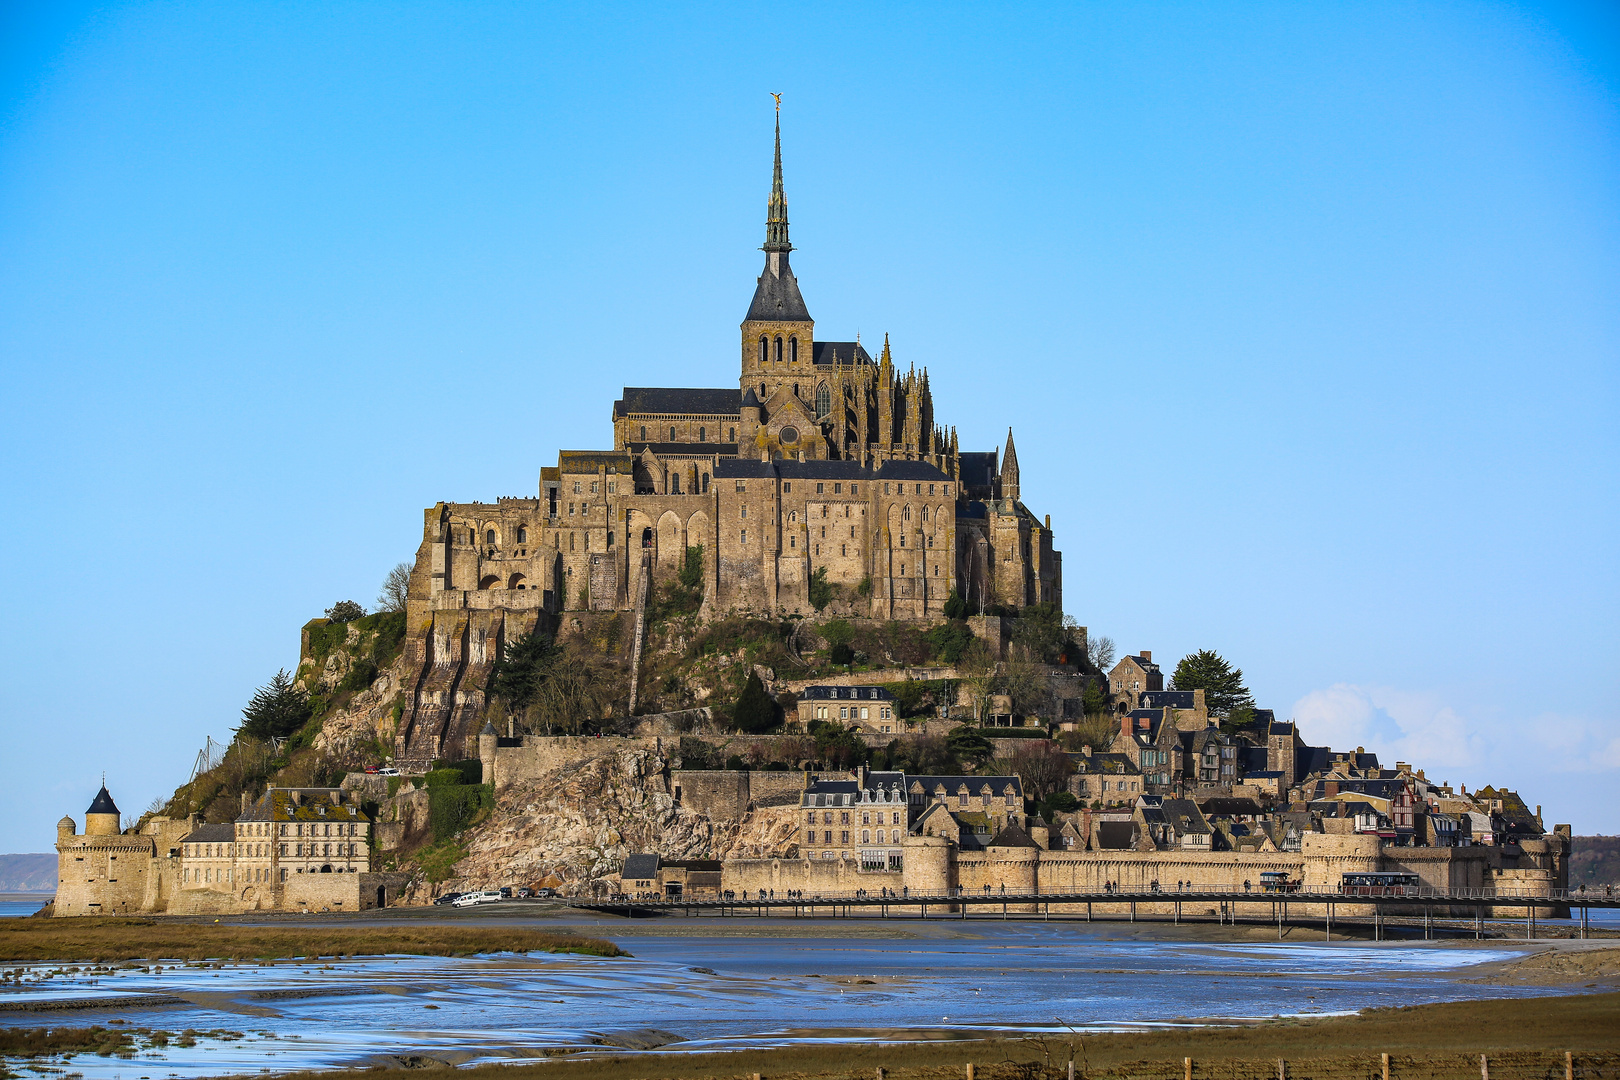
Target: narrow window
523,535
778,350
787,487
793,350
838,489
745,536
643,432
672,435
823,400
763,356
703,436
732,436
489,536
705,483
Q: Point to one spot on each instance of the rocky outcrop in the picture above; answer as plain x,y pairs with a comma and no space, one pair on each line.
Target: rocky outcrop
573,826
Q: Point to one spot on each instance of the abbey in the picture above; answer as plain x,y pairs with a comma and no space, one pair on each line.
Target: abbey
821,461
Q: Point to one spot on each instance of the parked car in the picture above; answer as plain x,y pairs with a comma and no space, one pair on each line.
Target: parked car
447,898
371,770
387,770
545,894
473,899
525,893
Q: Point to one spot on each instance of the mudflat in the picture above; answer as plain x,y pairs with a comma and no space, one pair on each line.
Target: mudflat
1523,1037
105,940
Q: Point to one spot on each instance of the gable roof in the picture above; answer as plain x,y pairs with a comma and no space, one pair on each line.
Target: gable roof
910,470
640,867
211,834
977,467
743,469
1116,835
589,461
684,449
1014,837
822,352
679,400
1175,699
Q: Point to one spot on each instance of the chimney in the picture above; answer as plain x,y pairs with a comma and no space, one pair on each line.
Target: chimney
1147,656
1125,724
1361,749
1332,788
1085,751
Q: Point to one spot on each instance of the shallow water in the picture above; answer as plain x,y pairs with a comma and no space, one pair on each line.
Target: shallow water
764,990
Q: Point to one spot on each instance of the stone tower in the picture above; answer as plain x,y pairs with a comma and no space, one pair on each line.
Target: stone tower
102,817
777,333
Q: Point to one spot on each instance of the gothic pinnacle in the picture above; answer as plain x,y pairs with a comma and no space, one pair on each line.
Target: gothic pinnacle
776,217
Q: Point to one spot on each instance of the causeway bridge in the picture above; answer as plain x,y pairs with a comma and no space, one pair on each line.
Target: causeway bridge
1285,908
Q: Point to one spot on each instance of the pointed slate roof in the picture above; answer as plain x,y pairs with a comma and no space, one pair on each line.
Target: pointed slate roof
777,296
104,803
1013,836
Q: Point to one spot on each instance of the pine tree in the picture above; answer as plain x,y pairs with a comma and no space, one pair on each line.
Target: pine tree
276,710
1221,683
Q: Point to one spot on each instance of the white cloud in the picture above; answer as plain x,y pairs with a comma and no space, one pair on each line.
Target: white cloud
1395,724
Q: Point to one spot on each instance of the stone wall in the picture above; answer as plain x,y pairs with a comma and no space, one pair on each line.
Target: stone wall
721,794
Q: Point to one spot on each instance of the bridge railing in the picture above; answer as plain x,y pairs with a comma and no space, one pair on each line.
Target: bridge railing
1349,895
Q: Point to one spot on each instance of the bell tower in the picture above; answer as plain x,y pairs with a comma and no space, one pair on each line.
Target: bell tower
777,333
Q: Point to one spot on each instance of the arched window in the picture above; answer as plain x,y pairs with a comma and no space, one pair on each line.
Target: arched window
643,432
523,535
610,540
764,353
703,434
489,536
906,514
823,400
672,434
674,483
646,538
793,350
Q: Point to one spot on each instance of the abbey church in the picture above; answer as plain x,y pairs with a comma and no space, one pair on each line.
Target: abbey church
819,459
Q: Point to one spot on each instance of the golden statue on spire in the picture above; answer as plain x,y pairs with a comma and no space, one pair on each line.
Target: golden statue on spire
778,98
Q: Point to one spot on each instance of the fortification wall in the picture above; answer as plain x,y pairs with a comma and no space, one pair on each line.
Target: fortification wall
102,875
542,754
775,788
815,877
721,794
322,892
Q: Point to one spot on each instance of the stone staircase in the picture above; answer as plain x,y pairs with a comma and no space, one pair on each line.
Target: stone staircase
643,585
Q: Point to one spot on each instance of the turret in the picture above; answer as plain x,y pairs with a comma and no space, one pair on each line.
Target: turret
1009,471
65,828
102,817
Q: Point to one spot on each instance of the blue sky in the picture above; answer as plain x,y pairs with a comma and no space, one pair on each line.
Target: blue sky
1304,315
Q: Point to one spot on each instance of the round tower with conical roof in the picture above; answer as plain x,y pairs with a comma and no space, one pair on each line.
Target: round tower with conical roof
102,818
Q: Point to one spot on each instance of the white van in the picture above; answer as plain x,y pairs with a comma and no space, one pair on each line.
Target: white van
474,898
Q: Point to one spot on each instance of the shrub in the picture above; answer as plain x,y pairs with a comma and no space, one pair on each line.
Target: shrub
345,611
842,655
949,641
736,763
755,712
821,591
955,606
908,696
467,770
362,673
453,807
692,569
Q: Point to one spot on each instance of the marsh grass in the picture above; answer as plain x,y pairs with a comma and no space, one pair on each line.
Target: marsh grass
1525,1038
105,940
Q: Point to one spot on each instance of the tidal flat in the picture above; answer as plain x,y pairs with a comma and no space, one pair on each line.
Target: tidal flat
696,986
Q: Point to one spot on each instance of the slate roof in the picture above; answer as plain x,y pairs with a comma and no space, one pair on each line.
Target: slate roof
910,470
974,784
589,461
978,467
743,469
1116,835
1312,759
750,399
822,352
1107,764
103,804
678,400
1184,816
777,297
684,449
1013,836
822,470
1174,699
1253,760
1228,807
640,867
1143,663
848,693
278,804
211,834
972,510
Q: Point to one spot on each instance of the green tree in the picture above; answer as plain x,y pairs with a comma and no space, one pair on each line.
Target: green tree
755,712
1046,634
1221,683
967,744
345,611
948,641
821,591
276,709
839,635
955,606
523,668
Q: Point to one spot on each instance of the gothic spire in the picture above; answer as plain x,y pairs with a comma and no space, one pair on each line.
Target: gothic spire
776,219
1009,470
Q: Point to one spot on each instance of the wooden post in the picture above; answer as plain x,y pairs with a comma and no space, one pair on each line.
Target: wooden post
1569,1065
1282,1069
1071,1069
1384,1061
1484,1068
1186,1065
880,1072
970,1070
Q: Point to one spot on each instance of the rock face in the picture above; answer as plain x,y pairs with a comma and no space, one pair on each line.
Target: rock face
572,826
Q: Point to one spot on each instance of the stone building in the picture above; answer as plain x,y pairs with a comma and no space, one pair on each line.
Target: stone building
294,849
1133,677
821,459
869,708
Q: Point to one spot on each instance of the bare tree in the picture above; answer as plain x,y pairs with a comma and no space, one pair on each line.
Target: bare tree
394,588
1100,652
1042,766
